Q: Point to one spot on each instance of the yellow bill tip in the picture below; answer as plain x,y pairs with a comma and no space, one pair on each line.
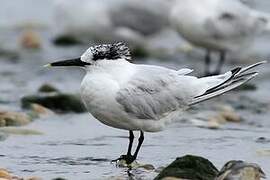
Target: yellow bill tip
47,65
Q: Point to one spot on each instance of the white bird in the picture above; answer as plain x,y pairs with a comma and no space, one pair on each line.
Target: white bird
218,25
143,98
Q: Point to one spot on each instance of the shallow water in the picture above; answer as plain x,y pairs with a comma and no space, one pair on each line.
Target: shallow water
76,146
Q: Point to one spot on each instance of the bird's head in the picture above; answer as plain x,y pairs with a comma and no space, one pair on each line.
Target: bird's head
94,54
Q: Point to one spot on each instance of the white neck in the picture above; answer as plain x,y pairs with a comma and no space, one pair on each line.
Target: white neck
119,70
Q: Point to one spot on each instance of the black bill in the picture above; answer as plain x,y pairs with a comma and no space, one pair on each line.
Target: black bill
68,62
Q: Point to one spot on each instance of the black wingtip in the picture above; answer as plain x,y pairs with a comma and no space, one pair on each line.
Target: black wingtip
236,70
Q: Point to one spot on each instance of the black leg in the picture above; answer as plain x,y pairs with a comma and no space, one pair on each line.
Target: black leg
139,145
221,62
131,138
207,62
128,157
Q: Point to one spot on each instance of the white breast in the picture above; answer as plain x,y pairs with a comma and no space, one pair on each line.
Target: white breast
99,88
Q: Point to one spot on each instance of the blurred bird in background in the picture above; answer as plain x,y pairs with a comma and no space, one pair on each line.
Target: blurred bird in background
218,26
110,20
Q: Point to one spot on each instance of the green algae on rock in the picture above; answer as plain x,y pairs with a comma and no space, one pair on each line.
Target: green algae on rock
47,88
190,167
62,102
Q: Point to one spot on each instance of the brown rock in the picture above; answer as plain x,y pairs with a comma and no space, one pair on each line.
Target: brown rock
30,39
229,114
213,124
219,118
40,110
19,131
4,174
14,118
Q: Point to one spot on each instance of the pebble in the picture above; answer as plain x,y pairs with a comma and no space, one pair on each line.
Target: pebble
19,131
148,167
30,39
263,152
228,113
240,170
213,124
40,111
9,118
4,174
47,88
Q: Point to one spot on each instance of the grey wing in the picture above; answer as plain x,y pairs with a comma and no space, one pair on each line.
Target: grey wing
153,94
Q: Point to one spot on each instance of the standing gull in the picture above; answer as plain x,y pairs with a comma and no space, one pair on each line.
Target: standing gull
218,26
143,98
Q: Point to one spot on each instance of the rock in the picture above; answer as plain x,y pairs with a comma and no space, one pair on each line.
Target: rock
240,170
190,167
9,54
14,118
66,41
30,39
19,131
213,124
206,120
218,118
62,102
263,140
263,152
148,167
4,174
40,111
229,114
122,163
47,88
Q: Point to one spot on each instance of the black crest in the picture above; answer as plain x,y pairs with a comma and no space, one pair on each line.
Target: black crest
111,51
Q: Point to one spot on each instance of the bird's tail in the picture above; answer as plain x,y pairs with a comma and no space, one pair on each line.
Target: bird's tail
230,80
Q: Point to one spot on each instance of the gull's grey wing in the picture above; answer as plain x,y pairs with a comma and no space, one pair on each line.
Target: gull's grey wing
152,93
234,20
140,16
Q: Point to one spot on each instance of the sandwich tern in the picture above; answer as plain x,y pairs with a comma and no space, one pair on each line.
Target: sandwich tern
145,98
218,26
